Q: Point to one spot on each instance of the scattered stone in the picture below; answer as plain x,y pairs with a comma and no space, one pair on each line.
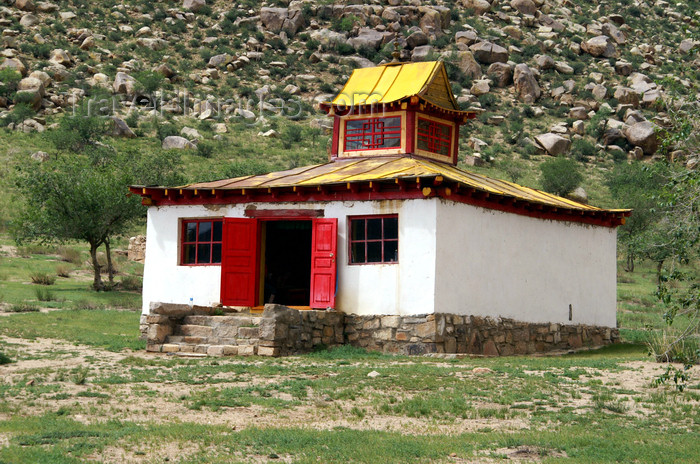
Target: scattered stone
600,46
623,68
480,87
626,96
121,129
88,43
67,15
578,127
479,6
175,142
373,374
218,61
14,63
643,135
193,5
495,120
29,20
525,7
421,53
525,84
416,39
468,65
600,91
501,74
271,133
687,45
614,33
563,67
466,37
544,62
165,70
61,57
124,84
553,144
578,113
487,52
40,156
579,194
191,133
282,19
482,370
25,5
367,39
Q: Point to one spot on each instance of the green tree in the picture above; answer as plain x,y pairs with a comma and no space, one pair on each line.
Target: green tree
560,176
82,195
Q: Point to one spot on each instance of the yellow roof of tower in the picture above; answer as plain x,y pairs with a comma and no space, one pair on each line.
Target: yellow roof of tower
395,82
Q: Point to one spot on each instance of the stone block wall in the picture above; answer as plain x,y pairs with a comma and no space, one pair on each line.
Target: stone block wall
282,331
447,333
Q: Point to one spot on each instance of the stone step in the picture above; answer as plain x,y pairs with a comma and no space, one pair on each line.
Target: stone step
194,330
213,321
187,340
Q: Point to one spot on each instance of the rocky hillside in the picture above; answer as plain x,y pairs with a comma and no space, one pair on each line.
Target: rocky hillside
593,80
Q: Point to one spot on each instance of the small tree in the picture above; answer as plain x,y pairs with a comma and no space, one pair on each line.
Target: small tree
560,176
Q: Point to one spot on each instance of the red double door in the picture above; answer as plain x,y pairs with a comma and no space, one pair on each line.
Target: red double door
240,262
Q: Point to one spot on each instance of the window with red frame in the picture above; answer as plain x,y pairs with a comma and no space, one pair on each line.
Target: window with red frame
374,239
372,133
201,242
434,137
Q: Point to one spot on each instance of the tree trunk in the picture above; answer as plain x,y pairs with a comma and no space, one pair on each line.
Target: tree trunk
97,281
659,268
630,262
110,269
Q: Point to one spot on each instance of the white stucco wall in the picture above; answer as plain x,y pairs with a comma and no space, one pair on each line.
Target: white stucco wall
403,288
492,263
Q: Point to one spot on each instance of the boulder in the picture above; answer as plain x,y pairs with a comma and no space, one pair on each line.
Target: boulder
137,249
563,67
30,90
327,37
121,129
468,65
29,20
525,84
501,74
479,6
25,5
623,68
544,62
124,84
30,125
579,195
15,64
687,45
175,142
190,133
151,44
526,7
626,96
466,37
578,113
600,46
88,43
553,144
643,135
416,39
367,39
480,87
61,57
40,156
487,52
421,53
32,84
600,91
614,33
193,5
273,18
431,22
218,61
165,70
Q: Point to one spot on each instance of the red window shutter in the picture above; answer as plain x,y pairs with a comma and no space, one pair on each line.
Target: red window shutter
324,250
239,262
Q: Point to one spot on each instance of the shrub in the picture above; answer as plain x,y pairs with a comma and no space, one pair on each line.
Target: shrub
4,359
204,149
131,284
70,255
9,78
560,176
582,149
20,112
62,271
165,130
42,278
23,308
44,294
487,100
150,80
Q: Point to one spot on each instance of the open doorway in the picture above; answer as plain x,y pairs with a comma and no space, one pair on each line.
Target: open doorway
286,276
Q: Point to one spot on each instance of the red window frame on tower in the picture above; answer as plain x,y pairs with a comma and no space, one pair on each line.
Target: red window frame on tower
373,133
434,138
361,239
204,247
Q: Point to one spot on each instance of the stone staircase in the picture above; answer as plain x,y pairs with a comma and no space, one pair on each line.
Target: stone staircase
237,334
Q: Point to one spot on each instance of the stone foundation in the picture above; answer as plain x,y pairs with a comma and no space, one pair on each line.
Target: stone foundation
447,333
282,331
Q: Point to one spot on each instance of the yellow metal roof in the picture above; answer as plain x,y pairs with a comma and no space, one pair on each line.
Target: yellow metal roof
395,82
387,169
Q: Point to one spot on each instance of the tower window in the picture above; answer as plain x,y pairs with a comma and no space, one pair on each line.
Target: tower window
372,133
434,137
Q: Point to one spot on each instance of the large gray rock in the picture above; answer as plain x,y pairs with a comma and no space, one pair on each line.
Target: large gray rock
421,53
62,57
327,37
553,144
501,74
544,62
121,129
526,7
431,22
525,84
281,19
600,46
218,61
175,142
614,33
29,20
30,90
367,39
643,134
687,45
626,96
466,37
14,64
416,39
487,52
124,84
479,6
193,5
468,65
25,5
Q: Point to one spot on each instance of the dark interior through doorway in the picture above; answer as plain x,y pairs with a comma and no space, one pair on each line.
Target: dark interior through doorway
287,275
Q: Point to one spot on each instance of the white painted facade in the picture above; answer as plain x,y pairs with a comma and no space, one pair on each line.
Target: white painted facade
453,258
